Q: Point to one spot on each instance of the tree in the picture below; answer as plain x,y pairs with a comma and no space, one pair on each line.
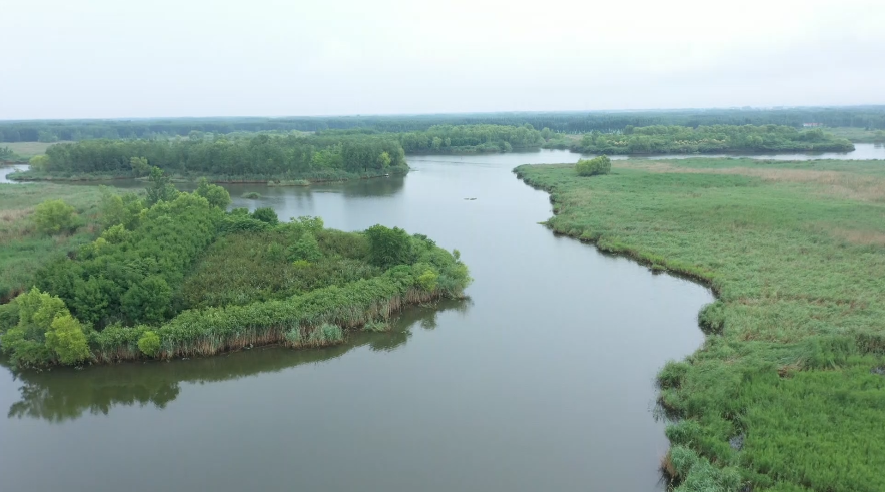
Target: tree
161,187
384,160
266,214
147,300
216,195
140,166
66,338
389,247
39,162
149,344
54,216
594,166
305,249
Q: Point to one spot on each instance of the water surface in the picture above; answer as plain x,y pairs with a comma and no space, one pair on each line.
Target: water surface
543,380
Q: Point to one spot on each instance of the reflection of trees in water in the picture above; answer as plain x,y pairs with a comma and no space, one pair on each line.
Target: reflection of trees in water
66,394
388,186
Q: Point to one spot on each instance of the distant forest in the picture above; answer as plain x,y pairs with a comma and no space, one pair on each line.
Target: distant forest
867,117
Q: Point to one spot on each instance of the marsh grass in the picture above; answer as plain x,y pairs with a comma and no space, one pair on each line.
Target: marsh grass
24,249
793,251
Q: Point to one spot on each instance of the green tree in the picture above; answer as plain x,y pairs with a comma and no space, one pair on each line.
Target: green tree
384,160
216,195
54,216
147,300
266,214
305,249
594,166
66,338
161,187
39,162
389,247
140,166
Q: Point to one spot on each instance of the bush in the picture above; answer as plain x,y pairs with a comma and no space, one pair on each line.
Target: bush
389,247
149,344
45,333
216,195
54,216
66,338
305,249
594,166
267,215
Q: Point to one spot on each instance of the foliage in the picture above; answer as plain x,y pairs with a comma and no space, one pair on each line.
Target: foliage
266,214
786,391
591,167
557,122
718,138
38,162
140,166
54,216
306,248
149,344
45,333
214,194
388,247
26,249
130,275
161,188
471,138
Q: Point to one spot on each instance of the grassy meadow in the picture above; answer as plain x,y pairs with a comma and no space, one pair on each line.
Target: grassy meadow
858,135
23,248
788,391
28,149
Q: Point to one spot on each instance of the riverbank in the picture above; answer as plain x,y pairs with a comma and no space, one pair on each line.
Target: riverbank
271,180
786,392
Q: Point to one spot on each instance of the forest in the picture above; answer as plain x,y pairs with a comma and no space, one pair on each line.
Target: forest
172,274
866,117
704,139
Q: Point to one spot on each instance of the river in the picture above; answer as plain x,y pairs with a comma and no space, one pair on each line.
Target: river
543,380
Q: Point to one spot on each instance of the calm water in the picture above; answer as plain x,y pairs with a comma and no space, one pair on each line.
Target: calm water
543,380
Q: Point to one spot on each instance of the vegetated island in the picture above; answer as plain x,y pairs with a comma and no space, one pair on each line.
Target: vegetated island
173,275
788,391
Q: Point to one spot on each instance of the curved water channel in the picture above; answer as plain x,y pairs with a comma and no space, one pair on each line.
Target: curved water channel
543,380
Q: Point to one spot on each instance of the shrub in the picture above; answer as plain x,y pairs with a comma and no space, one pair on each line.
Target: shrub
389,247
54,216
252,195
66,338
149,344
216,195
305,249
591,167
266,214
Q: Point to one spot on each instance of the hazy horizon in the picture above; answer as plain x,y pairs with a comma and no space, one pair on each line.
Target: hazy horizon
99,59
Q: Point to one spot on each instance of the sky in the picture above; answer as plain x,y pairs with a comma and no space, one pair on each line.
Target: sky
167,58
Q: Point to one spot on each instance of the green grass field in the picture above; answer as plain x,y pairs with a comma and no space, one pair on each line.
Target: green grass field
23,249
858,135
28,149
788,391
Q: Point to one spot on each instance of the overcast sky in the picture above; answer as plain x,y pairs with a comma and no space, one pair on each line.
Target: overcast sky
122,58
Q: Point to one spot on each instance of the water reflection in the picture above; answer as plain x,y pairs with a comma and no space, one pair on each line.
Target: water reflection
66,394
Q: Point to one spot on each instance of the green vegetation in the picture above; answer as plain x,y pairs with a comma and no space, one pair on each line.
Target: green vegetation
259,158
591,167
872,117
859,135
466,139
719,138
788,390
24,246
252,195
174,275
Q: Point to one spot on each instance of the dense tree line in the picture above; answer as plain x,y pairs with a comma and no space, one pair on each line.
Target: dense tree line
871,117
472,138
718,138
260,156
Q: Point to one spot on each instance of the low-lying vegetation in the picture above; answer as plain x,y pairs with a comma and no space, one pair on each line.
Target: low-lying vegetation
788,390
706,139
174,275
